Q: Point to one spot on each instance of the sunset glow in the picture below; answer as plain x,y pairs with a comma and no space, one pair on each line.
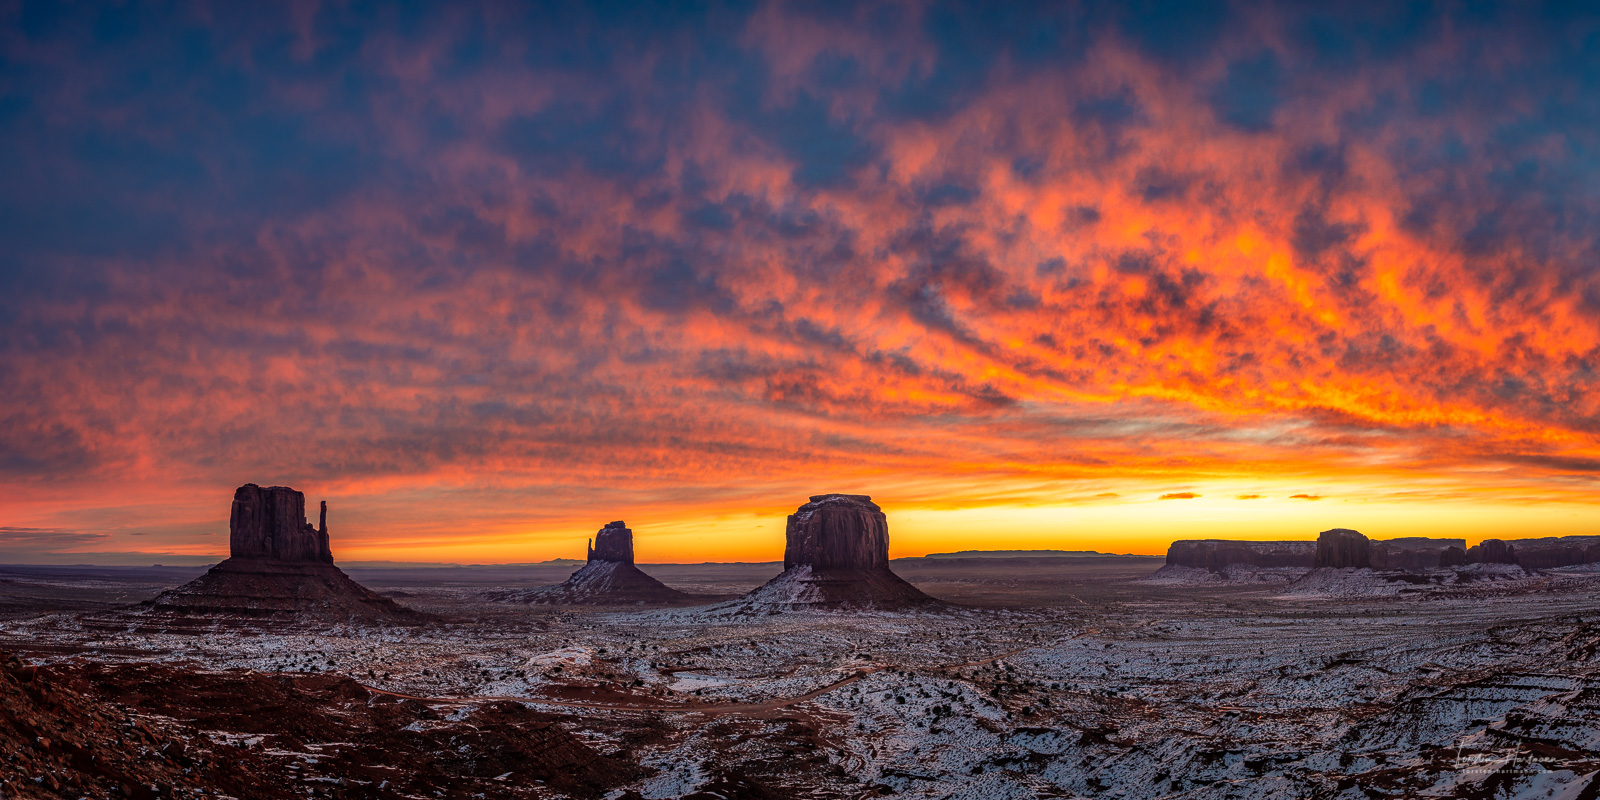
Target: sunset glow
483,284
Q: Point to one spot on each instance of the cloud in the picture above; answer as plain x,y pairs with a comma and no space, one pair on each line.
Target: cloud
1305,497
17,540
1249,497
700,253
1178,496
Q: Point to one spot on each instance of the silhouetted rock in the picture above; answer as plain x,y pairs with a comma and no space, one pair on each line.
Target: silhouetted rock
846,531
1410,553
836,557
279,569
1217,554
1342,548
614,542
1556,551
609,578
1453,556
1491,551
271,523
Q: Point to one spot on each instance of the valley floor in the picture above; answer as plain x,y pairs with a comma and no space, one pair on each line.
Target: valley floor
1052,680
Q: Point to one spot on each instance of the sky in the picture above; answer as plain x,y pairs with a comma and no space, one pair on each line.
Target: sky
1072,275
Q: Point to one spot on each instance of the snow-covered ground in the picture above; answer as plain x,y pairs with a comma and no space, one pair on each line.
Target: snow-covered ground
1330,687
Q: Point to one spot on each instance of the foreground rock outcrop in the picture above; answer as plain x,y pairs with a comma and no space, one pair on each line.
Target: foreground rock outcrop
836,556
279,568
145,731
608,578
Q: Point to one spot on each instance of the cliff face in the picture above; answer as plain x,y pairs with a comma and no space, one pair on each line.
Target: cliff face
1492,551
1412,553
1557,551
1215,554
612,543
270,523
843,531
1343,548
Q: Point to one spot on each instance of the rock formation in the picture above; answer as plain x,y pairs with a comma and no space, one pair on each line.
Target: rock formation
1557,551
836,557
608,578
279,568
1342,548
1492,551
614,542
271,523
1411,553
1218,554
1453,556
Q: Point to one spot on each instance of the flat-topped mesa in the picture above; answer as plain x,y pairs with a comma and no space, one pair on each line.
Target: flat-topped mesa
612,543
1413,553
270,523
1217,554
1342,548
1556,551
837,531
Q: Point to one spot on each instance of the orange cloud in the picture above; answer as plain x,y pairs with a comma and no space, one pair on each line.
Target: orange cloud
495,301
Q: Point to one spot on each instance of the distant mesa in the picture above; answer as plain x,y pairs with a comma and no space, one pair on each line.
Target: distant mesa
1556,551
1492,551
962,555
1216,554
608,578
836,557
278,568
1343,549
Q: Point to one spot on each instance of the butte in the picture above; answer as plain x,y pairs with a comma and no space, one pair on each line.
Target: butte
279,569
608,578
836,556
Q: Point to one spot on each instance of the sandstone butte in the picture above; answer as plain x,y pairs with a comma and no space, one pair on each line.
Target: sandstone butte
279,568
608,577
836,556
